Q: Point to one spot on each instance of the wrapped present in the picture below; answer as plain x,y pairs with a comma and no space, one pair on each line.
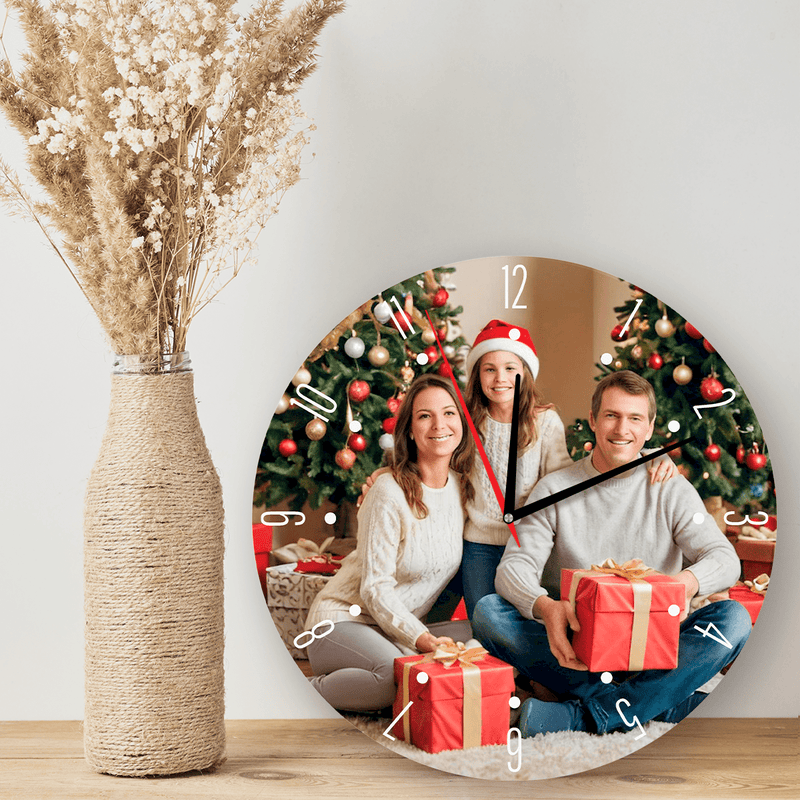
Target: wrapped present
324,564
624,614
300,550
460,702
756,555
751,594
262,544
289,597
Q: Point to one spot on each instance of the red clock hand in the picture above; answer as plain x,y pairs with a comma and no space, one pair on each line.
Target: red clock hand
492,479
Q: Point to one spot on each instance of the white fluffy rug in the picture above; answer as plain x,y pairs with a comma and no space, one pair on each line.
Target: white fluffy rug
544,756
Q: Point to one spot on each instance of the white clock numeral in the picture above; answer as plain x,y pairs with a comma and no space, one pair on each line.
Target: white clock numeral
748,520
633,722
313,634
517,751
714,405
630,318
719,638
394,721
266,518
405,317
295,402
521,286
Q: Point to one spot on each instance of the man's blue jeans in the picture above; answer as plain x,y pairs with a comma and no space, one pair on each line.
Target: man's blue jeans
664,694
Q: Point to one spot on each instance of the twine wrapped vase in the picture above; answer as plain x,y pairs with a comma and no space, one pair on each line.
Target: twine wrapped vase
153,575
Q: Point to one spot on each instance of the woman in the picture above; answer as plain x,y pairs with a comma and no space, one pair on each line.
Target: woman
410,531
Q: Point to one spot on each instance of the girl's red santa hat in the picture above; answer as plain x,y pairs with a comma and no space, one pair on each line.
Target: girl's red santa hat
499,335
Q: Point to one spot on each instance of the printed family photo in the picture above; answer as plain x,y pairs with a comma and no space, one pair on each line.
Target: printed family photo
510,501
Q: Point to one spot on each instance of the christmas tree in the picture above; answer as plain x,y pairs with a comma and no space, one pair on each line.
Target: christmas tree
333,426
727,456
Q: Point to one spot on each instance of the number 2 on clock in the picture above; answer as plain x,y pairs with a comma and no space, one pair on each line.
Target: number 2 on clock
521,286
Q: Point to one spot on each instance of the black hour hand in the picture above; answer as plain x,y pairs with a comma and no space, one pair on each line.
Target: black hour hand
511,471
538,505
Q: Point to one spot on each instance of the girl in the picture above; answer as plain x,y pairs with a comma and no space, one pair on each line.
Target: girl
410,532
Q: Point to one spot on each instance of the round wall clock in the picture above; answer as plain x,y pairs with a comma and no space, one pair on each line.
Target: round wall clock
568,527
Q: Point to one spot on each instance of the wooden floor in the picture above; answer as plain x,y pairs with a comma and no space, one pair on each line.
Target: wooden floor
319,759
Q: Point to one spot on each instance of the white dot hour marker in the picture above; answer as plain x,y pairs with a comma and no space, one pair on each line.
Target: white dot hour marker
514,701
354,610
674,425
355,426
330,518
699,518
674,610
606,358
606,677
514,334
422,359
422,677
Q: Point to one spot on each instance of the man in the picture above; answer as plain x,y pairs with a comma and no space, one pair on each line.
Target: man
663,524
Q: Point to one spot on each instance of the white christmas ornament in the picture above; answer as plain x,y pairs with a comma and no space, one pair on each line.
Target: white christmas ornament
386,442
382,312
354,347
301,376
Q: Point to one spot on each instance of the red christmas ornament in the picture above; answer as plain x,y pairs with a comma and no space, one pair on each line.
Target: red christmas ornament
588,446
402,319
655,361
711,389
287,447
756,460
712,452
692,331
741,454
393,404
444,369
440,297
616,332
358,391
708,346
433,354
345,458
357,442
388,424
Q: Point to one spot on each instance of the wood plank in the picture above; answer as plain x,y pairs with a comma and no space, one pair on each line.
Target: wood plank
318,759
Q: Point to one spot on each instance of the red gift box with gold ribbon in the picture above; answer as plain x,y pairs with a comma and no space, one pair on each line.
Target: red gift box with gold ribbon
460,702
629,616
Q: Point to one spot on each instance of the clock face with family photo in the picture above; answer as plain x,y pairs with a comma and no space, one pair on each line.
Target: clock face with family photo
514,518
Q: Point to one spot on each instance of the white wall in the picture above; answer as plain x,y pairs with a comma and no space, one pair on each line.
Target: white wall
653,140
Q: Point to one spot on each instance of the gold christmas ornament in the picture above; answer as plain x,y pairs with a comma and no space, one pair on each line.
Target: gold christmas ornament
664,327
428,336
316,429
378,355
283,404
682,374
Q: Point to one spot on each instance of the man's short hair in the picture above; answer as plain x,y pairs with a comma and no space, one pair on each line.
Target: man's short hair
629,382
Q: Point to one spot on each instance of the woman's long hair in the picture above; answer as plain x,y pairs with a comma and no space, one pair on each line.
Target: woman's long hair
405,469
531,403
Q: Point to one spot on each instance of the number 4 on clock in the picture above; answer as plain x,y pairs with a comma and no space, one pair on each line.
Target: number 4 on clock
718,638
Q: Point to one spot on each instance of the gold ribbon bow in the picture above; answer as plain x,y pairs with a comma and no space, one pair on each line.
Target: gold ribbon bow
634,571
301,550
449,655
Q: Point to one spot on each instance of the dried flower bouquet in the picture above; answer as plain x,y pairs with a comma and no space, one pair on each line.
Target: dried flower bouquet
163,134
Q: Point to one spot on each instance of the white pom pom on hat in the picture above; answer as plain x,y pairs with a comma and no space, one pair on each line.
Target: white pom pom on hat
499,335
